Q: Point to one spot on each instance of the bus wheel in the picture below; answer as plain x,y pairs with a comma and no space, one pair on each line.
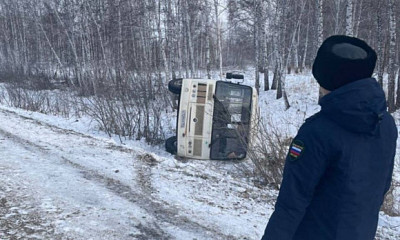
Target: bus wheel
175,85
170,145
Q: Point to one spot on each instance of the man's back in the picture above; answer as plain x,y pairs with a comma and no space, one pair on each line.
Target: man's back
347,200
334,188
340,164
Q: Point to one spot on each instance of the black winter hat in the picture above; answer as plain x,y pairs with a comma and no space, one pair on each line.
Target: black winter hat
341,60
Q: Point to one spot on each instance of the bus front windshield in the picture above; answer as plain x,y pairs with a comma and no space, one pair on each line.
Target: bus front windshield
231,121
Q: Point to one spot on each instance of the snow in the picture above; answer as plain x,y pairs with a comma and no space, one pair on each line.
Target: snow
62,179
89,187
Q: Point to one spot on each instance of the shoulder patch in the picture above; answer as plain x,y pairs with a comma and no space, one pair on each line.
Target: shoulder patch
296,150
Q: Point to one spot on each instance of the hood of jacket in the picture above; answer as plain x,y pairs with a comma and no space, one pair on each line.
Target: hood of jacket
358,107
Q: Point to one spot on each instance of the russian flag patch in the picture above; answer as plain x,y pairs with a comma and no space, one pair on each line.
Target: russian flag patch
296,150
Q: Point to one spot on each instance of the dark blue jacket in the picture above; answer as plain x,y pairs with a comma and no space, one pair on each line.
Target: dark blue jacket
338,169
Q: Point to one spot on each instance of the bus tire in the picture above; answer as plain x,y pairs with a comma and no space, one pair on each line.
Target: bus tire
170,145
175,85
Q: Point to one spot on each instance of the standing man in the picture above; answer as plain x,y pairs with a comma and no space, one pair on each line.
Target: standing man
340,164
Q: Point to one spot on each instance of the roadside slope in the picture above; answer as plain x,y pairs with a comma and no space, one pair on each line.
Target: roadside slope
101,187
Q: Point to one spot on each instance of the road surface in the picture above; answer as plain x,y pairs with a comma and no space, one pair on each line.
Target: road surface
60,184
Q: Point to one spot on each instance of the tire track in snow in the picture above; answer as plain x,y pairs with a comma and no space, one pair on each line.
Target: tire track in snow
162,211
20,217
153,231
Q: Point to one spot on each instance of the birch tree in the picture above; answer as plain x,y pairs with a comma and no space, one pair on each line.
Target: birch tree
392,55
349,18
337,5
380,41
208,43
320,22
303,62
264,39
320,29
257,32
219,40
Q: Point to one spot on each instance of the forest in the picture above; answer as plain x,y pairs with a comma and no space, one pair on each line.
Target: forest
120,54
97,44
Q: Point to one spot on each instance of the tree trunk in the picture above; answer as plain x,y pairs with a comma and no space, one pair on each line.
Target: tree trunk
337,16
296,51
320,23
392,55
320,27
281,46
360,14
279,78
208,42
349,18
189,40
163,42
398,89
219,40
256,29
380,36
274,84
265,57
303,62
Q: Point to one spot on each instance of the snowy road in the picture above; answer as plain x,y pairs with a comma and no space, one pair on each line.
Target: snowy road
61,184
58,183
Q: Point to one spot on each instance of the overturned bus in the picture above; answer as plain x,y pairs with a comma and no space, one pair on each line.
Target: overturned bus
216,119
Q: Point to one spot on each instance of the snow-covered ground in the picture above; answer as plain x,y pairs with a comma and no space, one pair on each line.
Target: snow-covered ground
61,179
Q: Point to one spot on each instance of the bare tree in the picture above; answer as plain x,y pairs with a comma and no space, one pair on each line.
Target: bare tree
349,18
380,41
320,22
257,39
264,39
392,55
320,28
219,40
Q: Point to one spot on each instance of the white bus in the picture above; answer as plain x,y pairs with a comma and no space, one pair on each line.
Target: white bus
216,119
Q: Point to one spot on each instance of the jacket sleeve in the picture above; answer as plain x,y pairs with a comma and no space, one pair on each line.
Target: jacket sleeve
300,177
